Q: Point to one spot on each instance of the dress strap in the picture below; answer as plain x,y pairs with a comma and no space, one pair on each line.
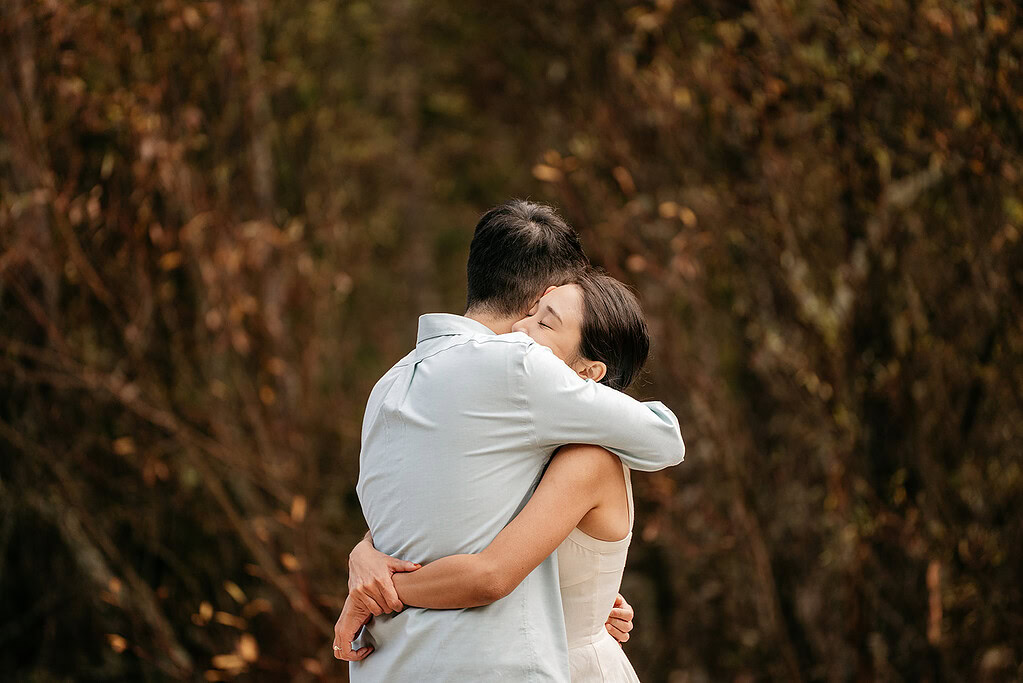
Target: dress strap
628,493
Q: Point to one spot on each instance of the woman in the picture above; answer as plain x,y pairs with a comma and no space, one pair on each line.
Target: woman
582,506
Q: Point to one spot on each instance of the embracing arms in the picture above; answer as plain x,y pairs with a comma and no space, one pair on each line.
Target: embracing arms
568,409
573,485
564,408
576,482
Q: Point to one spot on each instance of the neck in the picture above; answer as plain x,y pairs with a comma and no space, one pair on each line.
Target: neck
498,324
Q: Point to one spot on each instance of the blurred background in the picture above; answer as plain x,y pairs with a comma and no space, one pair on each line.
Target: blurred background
219,221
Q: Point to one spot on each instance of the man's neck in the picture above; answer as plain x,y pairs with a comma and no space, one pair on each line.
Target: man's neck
498,324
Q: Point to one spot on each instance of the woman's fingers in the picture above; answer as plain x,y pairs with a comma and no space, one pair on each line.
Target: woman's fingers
397,565
344,651
355,656
388,595
352,618
390,598
342,643
370,604
378,597
370,580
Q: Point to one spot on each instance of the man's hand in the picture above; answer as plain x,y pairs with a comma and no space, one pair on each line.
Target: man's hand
369,578
619,622
353,617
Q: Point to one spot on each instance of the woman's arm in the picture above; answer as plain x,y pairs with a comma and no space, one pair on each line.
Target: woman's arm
571,487
369,577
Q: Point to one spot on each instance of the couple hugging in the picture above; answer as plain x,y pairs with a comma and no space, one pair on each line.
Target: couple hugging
521,553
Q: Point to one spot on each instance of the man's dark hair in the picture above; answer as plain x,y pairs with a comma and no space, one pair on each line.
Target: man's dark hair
614,330
519,249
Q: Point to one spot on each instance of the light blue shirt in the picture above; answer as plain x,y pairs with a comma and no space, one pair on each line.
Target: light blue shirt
455,438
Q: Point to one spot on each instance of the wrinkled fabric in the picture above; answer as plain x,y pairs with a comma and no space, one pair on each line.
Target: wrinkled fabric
455,438
590,575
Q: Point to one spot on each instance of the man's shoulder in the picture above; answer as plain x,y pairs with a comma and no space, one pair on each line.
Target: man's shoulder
481,347
393,373
511,342
479,350
407,360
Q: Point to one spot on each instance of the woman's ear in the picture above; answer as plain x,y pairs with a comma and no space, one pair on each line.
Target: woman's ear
591,369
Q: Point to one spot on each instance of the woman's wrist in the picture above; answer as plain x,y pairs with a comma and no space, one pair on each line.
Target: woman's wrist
361,548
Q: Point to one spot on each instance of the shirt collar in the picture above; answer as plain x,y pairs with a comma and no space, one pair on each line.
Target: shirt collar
445,324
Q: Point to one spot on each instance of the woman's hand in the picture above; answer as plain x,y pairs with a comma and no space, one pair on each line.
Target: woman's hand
353,617
370,582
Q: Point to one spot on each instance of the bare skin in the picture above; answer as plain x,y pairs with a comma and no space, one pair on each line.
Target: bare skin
583,487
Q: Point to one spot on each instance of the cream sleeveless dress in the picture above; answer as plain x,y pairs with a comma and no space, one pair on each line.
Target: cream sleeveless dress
591,574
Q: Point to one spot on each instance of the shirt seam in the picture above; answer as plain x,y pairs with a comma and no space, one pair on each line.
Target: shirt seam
528,404
479,340
534,664
527,634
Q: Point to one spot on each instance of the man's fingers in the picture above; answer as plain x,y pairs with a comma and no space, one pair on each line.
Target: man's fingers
619,635
622,625
622,609
622,614
619,622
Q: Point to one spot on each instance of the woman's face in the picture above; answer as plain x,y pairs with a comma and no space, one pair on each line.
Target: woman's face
556,321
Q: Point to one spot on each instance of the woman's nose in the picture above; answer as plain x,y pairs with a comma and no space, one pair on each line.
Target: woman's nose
520,326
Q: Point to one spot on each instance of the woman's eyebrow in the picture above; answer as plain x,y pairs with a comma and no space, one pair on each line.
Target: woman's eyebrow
555,314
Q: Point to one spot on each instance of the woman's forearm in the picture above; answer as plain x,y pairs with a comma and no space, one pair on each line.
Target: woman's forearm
567,491
451,582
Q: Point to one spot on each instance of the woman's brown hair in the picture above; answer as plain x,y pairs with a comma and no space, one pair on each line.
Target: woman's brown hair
614,330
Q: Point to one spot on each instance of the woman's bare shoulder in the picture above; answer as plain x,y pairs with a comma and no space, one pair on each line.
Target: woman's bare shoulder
594,457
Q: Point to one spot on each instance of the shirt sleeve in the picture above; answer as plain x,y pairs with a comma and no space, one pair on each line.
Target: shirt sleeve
568,409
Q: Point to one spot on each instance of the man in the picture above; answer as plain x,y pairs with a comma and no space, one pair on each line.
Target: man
455,438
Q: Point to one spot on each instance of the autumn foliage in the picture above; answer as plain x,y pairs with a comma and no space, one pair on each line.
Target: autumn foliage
219,221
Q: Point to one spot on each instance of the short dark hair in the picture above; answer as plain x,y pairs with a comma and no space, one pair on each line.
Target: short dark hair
519,249
614,330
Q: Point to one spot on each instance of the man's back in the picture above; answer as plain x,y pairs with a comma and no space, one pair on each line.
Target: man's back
448,459
455,439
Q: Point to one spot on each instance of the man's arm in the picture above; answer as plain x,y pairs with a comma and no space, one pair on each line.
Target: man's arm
568,409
